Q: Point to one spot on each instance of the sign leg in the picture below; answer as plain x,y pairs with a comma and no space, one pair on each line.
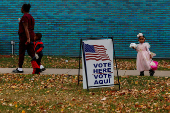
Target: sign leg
116,63
79,62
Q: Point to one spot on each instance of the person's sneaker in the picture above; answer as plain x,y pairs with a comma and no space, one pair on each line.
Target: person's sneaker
141,73
43,69
37,71
17,71
151,72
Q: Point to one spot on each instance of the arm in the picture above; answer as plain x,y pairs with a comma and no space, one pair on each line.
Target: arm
25,24
147,49
40,46
135,49
40,49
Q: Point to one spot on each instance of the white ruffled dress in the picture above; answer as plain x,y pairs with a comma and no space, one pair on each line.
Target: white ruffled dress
143,57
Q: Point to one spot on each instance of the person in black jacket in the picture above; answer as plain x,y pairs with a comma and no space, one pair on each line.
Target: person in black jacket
38,47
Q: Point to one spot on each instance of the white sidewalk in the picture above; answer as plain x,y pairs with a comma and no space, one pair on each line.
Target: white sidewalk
75,72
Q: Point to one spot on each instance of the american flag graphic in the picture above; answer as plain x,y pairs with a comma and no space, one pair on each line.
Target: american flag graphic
95,52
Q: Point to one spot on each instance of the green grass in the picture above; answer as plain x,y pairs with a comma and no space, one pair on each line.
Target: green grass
60,93
8,61
47,61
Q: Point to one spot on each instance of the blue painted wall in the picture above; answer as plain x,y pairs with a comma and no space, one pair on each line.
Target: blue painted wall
64,22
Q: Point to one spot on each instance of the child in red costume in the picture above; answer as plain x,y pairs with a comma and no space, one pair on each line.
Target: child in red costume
38,47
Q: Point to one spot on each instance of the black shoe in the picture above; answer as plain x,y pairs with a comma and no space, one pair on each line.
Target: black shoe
151,72
141,73
17,71
37,71
43,69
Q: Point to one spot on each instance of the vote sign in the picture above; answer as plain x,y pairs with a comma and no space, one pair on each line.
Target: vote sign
97,63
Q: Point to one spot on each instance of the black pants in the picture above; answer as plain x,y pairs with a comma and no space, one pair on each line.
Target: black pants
22,48
39,60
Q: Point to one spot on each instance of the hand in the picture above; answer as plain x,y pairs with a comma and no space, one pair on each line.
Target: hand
36,56
134,48
19,20
28,41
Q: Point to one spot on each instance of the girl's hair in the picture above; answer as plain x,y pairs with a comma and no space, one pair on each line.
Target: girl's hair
141,36
38,35
26,7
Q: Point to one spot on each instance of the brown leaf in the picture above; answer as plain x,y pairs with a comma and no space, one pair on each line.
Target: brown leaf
167,108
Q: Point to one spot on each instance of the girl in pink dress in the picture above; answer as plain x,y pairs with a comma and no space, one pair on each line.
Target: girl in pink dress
144,56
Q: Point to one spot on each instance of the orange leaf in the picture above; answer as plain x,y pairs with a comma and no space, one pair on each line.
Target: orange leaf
23,111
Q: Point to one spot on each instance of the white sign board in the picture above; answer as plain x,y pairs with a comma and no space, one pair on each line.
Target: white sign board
97,61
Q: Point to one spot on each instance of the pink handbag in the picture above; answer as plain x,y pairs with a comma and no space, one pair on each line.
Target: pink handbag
154,65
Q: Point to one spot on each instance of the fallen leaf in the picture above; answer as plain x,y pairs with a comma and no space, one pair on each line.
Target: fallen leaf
23,111
103,99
